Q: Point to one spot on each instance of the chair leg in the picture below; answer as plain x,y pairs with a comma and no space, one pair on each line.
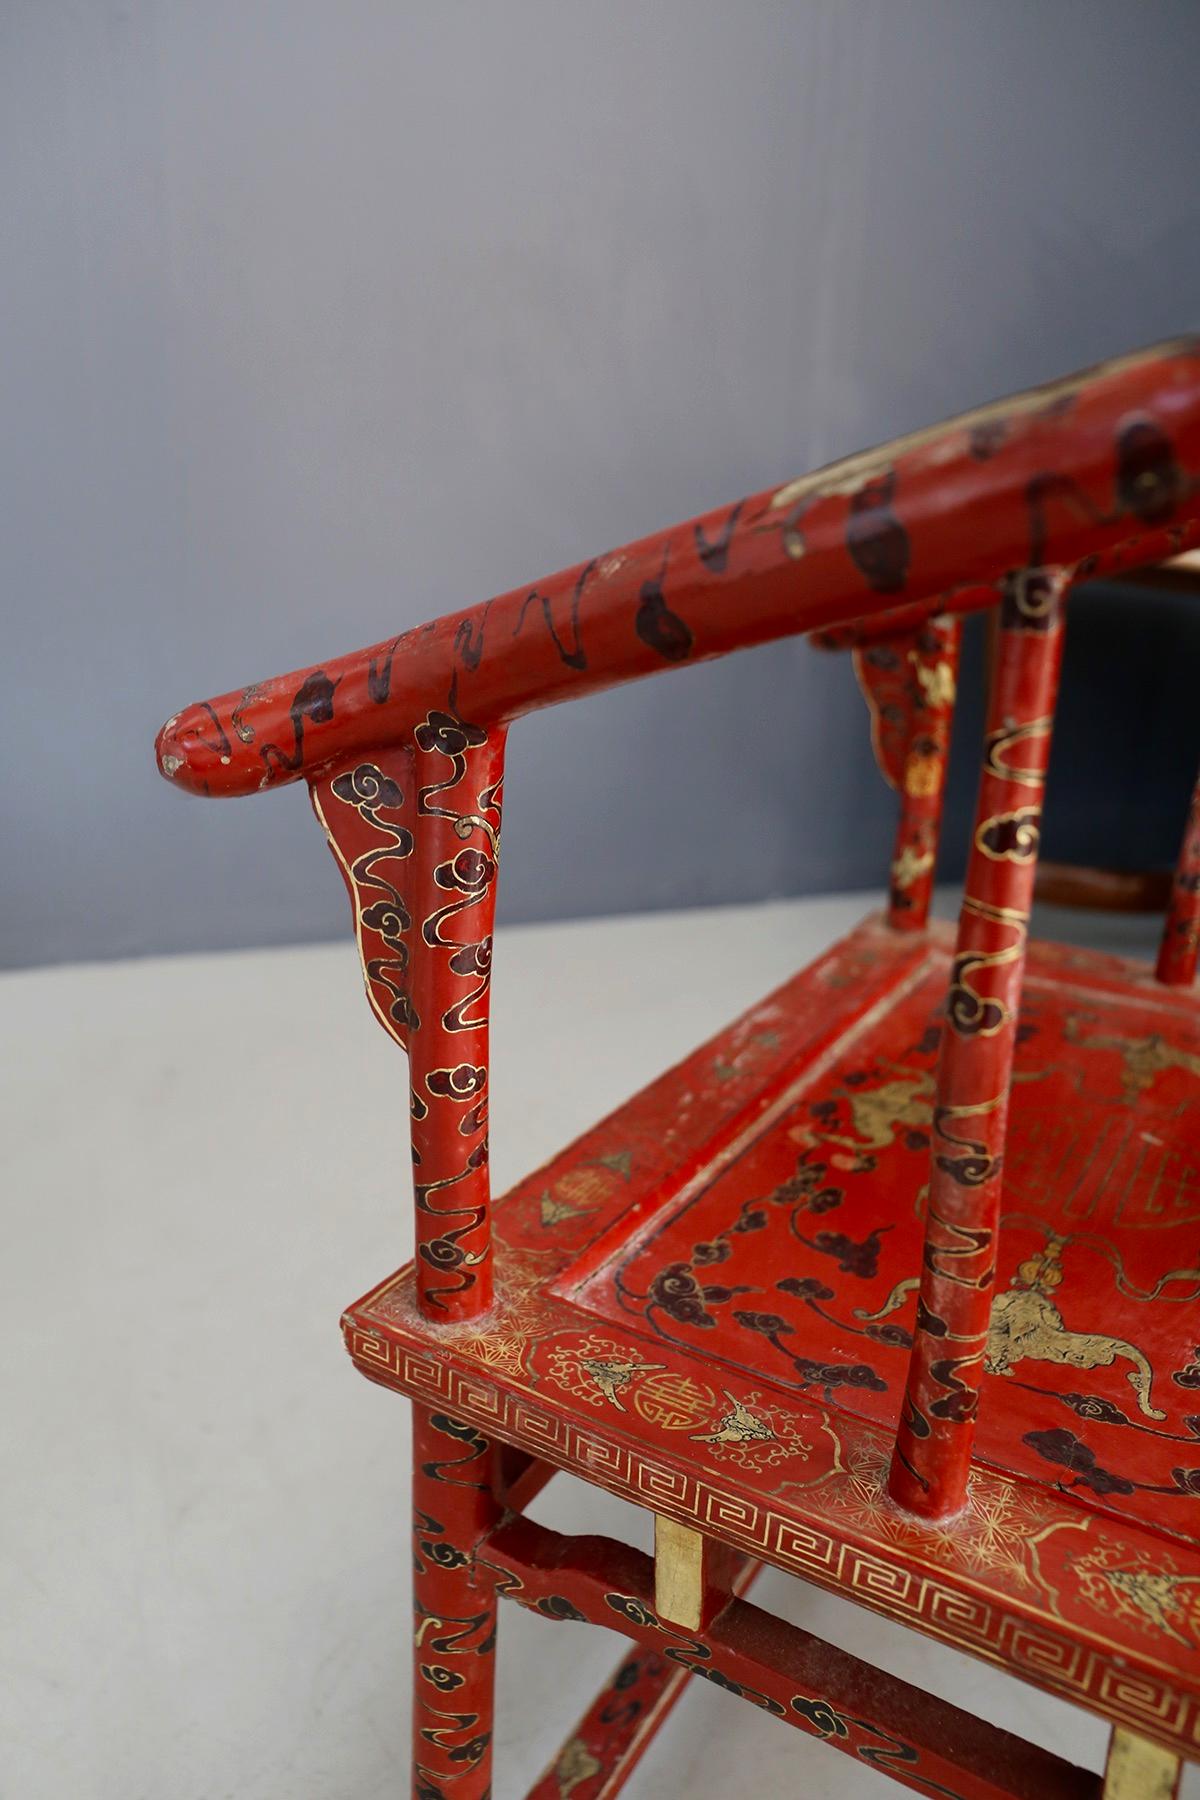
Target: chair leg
455,1483
1139,1769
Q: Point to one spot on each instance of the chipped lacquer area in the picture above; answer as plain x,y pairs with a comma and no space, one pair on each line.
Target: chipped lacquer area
719,1426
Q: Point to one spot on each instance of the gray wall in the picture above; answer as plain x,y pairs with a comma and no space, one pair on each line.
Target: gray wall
319,320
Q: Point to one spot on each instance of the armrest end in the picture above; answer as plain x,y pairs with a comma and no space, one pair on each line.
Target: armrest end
255,737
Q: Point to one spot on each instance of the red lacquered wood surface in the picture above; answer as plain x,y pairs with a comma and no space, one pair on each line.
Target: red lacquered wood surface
799,1261
459,774
910,685
417,837
1181,933
903,621
922,1742
1092,473
455,1478
617,1729
615,1732
933,1448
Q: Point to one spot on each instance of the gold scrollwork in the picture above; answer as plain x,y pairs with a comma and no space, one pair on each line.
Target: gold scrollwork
1001,743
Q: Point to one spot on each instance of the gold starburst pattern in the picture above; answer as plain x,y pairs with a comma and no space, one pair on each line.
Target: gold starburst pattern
501,1341
999,1531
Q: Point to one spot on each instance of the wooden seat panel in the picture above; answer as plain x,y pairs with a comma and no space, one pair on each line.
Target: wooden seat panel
797,1263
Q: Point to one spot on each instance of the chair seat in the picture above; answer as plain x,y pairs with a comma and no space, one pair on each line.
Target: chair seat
705,1305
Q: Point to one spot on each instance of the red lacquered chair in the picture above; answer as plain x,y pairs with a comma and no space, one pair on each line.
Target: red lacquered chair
766,1297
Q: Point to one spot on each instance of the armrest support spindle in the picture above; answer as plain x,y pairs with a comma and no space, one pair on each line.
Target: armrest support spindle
416,833
933,1449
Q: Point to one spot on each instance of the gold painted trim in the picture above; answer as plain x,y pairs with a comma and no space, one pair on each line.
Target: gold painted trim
1139,1769
678,1573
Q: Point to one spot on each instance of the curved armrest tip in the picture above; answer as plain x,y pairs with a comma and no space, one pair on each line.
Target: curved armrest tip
182,755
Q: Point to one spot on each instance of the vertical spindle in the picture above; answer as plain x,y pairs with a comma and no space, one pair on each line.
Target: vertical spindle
933,1448
416,833
458,772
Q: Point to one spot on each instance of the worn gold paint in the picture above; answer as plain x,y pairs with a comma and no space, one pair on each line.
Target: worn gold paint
876,1114
575,1765
678,1573
923,776
1145,1058
938,687
909,865
1138,1769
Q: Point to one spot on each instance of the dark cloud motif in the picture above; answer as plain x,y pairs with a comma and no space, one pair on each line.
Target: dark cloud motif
1150,483
1071,1453
460,1083
1011,837
875,538
861,1259
452,736
663,630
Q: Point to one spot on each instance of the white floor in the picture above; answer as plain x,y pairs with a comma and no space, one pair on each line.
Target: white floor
204,1516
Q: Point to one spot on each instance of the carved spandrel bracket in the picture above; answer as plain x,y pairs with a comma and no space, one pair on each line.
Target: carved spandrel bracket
910,686
366,812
